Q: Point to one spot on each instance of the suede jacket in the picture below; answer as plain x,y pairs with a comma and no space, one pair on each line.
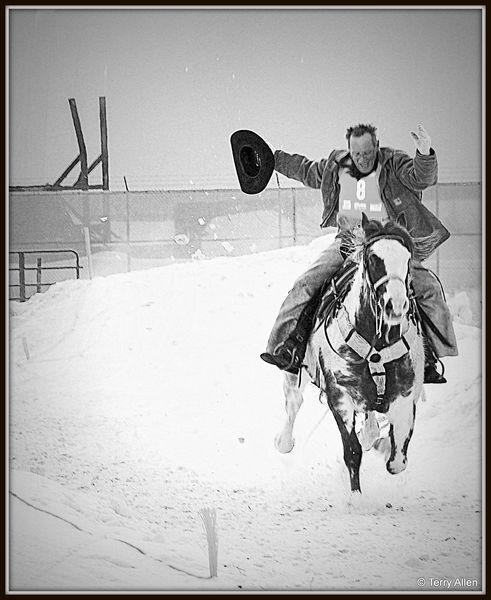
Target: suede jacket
401,181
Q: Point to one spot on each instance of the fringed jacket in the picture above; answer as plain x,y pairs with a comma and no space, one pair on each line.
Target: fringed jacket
401,181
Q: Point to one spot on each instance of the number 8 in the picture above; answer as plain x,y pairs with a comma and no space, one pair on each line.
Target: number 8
360,189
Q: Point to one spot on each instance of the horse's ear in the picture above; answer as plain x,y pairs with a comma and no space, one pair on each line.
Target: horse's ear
401,220
365,221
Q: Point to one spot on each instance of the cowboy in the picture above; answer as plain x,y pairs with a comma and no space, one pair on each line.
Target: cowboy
385,184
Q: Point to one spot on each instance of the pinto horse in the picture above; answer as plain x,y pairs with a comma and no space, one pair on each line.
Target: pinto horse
367,356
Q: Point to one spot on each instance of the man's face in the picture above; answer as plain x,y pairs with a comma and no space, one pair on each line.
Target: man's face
363,152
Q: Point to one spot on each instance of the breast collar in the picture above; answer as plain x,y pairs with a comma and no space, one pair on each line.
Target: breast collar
376,359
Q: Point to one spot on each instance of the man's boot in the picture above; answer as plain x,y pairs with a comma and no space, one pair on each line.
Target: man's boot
288,355
285,356
431,373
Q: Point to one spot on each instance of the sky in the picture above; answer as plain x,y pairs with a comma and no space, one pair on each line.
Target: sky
178,82
138,399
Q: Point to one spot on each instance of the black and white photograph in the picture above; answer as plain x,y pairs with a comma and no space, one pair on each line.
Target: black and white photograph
245,299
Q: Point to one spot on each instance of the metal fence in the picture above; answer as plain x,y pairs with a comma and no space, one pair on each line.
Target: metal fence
143,229
20,281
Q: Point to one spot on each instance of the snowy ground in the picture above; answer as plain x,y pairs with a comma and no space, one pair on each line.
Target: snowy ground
137,399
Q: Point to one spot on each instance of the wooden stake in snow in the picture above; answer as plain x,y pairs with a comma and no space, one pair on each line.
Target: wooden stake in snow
209,516
26,347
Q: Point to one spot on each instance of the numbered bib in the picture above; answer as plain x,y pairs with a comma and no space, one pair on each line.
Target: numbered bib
362,196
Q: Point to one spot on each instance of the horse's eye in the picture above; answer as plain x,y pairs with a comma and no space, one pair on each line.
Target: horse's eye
375,263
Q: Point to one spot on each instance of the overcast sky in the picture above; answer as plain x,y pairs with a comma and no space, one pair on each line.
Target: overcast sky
179,82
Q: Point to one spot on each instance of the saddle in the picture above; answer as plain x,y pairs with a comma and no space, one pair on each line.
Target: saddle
333,292
323,304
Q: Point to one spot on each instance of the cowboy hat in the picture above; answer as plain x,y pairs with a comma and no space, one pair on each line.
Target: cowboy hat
254,161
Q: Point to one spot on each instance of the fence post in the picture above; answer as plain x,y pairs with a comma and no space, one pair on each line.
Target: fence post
128,253
22,277
280,232
38,276
77,265
88,251
106,232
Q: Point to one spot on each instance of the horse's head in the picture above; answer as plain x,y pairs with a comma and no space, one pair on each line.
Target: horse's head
387,251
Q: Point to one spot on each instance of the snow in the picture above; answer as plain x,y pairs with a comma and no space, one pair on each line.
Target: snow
138,399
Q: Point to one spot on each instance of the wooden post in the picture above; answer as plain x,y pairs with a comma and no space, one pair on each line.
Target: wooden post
26,347
280,231
107,223
88,252
38,276
209,516
66,171
22,277
104,152
128,241
83,180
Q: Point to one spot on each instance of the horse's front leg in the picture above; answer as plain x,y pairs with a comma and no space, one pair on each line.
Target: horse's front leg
344,415
284,440
401,415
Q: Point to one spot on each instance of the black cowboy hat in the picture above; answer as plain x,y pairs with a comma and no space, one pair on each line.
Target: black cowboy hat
254,161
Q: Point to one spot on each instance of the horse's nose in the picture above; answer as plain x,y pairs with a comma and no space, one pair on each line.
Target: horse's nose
396,307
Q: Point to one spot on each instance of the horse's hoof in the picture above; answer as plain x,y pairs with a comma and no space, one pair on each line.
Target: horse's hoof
395,468
283,446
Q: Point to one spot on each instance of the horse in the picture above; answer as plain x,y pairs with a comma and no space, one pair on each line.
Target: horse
366,355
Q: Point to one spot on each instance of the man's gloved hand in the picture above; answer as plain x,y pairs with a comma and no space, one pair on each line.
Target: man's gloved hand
421,140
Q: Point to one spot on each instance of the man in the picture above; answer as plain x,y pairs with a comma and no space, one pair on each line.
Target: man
386,183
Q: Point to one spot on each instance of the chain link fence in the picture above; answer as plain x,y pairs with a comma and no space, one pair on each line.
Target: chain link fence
142,229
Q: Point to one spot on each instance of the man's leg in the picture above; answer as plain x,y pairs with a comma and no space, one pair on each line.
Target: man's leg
304,289
430,299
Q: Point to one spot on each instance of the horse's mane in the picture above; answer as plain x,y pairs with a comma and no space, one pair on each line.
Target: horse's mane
354,242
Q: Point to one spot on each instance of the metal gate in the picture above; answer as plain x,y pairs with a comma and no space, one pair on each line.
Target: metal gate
23,270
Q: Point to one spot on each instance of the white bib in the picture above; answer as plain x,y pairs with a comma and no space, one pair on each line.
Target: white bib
362,196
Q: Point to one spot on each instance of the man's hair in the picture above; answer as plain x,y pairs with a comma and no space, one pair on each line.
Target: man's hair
359,130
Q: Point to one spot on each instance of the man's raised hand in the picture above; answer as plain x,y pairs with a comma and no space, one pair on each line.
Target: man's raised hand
421,140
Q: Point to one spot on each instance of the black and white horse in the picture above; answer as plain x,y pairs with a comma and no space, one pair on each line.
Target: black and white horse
368,356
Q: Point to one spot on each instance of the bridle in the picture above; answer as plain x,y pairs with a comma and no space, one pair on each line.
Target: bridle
375,300
393,350
374,285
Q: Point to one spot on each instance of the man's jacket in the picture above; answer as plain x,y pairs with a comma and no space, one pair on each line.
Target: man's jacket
401,181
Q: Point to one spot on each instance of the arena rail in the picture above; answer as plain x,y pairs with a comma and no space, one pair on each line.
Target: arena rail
39,268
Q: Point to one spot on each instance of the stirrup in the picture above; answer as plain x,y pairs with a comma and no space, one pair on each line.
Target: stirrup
284,348
293,360
431,375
